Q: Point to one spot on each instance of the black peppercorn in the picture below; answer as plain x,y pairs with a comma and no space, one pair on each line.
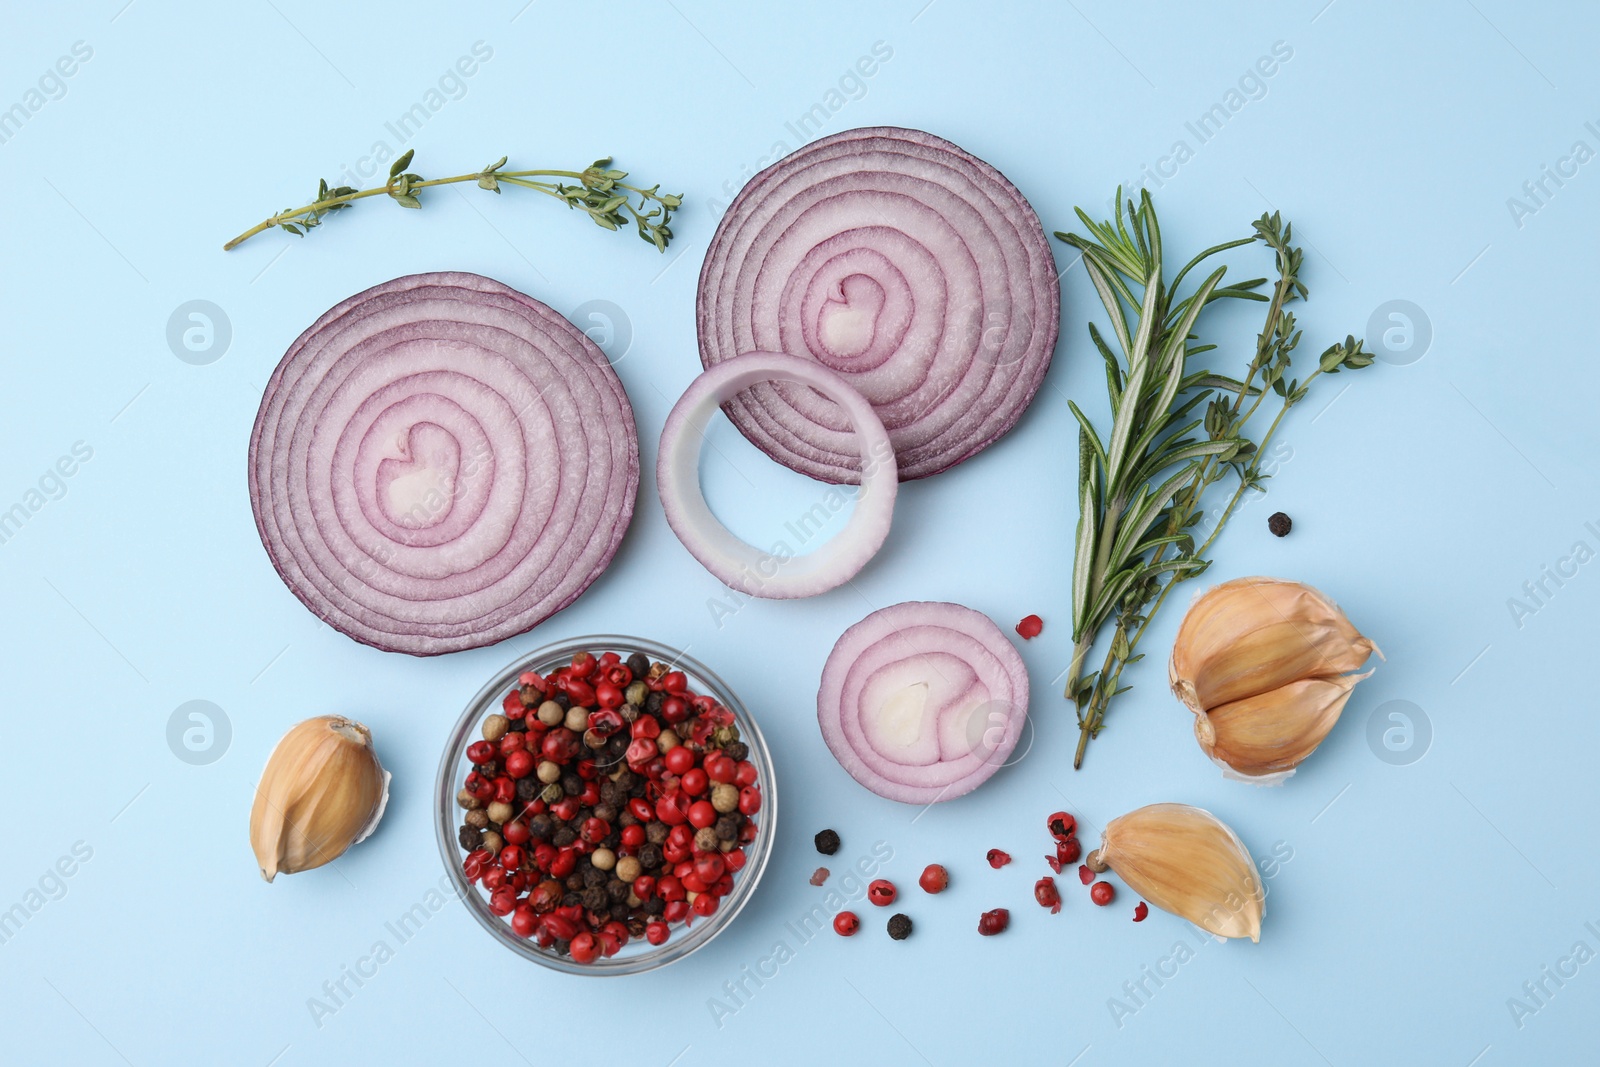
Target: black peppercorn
728,828
608,795
638,664
562,946
652,703
564,836
617,747
528,789
627,781
1279,523
620,911
618,890
562,699
571,784
490,768
655,906
470,837
737,750
541,826
518,726
606,811
595,899
656,832
650,856
636,926
899,926
827,842
593,876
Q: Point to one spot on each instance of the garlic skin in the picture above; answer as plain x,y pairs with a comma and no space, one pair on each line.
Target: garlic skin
322,791
1186,861
1265,665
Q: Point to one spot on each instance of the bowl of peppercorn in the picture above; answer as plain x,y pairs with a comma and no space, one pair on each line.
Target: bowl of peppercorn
605,805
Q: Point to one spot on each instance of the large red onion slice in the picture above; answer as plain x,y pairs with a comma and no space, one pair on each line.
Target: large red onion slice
777,573
915,270
441,462
922,702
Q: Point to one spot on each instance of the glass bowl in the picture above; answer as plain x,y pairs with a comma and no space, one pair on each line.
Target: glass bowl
638,955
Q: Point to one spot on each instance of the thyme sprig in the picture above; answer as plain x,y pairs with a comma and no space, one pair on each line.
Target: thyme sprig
1142,488
598,190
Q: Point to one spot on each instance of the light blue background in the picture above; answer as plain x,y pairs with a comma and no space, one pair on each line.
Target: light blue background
1419,897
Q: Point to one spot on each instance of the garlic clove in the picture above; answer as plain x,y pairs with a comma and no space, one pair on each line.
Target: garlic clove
322,791
1265,737
1252,635
1186,861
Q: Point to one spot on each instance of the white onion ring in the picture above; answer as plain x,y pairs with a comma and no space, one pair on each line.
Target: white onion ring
736,563
914,269
922,702
441,462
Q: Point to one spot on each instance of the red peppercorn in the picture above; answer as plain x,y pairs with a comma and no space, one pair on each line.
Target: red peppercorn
749,800
734,859
522,921
580,693
1067,851
677,911
691,882
644,887
512,704
720,768
674,682
544,854
646,726
584,947
709,868
505,789
619,675
679,759
565,809
493,877
1061,825
1030,627
559,745
480,787
594,830
657,933
994,922
503,900
480,752
583,664
705,904
641,809
723,886
747,833
702,814
591,794
997,858
519,764
673,808
632,837
846,923
935,879
510,857
473,865
530,678
1102,893
674,710
1046,893
605,721
746,774
608,695
565,863
882,892
640,751
668,888
1085,875
1140,912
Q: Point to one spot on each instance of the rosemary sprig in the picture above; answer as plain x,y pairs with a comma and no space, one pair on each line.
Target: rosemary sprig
599,191
1142,488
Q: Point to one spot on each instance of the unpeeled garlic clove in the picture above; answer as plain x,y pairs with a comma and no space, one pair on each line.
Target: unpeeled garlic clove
1251,635
322,791
1186,861
1269,734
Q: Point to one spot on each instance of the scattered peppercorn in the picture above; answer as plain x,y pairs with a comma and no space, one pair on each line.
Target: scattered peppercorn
1102,893
994,922
1085,875
846,923
997,858
1046,893
1140,912
1030,627
819,876
827,842
882,892
470,837
935,879
1280,524
899,926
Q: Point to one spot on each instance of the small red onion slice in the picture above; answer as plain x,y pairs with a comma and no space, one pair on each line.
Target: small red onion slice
922,702
914,269
441,462
777,574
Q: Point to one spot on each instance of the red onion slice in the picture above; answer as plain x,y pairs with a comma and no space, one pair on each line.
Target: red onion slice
915,270
777,574
441,462
922,702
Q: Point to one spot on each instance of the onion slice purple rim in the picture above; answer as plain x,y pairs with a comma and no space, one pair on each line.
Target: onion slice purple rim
736,563
922,702
909,266
441,462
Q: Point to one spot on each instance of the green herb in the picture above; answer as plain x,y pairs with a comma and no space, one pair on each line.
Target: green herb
599,191
1142,486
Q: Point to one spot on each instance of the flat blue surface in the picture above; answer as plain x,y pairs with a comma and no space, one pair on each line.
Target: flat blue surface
1415,897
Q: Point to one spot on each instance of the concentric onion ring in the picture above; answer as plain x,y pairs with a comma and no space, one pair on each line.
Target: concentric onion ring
922,702
441,462
913,269
739,565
